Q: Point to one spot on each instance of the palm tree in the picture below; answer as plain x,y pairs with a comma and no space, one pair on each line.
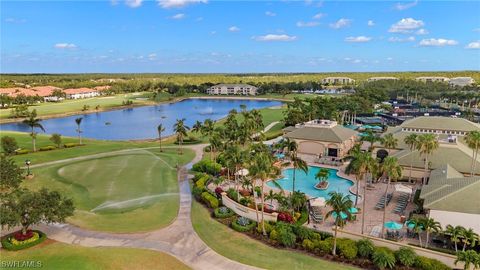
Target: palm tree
181,130
473,141
215,144
371,138
418,228
78,121
469,257
455,233
393,172
411,140
197,127
427,143
322,175
33,123
271,196
340,205
430,225
389,141
469,238
160,129
298,163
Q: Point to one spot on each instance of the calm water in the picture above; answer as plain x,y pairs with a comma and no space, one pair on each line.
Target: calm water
141,122
306,182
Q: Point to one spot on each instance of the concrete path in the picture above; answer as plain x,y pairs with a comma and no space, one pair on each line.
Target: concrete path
267,128
179,239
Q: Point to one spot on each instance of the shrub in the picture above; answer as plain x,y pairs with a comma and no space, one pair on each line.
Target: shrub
245,201
210,200
9,145
406,256
308,245
201,182
243,224
47,148
70,145
347,248
424,263
197,192
286,237
232,194
10,243
285,217
223,212
207,166
21,151
218,191
56,139
325,246
268,227
273,235
383,258
302,232
365,248
303,217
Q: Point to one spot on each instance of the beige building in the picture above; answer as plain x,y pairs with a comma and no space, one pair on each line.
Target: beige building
432,79
461,81
232,89
452,199
337,80
374,79
322,138
452,147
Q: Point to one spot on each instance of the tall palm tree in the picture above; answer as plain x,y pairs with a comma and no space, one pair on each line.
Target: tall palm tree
237,157
197,127
340,206
298,163
33,122
393,172
429,226
181,130
160,129
418,228
473,141
389,142
427,143
215,144
370,137
78,121
470,237
469,258
322,175
455,233
411,140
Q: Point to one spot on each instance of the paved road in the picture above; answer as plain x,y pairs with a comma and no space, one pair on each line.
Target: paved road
179,239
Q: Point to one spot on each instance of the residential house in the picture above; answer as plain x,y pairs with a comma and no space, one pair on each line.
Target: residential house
338,80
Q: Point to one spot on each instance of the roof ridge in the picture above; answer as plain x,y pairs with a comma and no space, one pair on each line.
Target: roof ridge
463,187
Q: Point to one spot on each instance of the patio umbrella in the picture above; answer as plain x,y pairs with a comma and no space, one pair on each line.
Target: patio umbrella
319,202
342,215
392,225
403,188
411,224
353,210
242,172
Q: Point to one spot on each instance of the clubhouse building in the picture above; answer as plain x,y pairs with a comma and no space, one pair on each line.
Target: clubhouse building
322,138
232,89
338,80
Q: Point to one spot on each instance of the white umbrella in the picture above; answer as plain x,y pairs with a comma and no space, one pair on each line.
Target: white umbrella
242,172
319,202
403,188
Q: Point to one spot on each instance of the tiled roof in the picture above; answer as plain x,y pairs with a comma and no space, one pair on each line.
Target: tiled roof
337,134
441,123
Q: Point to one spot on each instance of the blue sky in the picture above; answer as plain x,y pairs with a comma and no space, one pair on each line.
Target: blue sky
238,36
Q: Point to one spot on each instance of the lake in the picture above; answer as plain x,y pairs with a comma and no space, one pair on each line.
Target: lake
141,122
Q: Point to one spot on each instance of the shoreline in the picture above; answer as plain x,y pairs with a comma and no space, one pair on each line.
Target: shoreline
149,103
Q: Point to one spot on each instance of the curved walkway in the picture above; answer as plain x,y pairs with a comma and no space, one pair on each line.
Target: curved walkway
178,239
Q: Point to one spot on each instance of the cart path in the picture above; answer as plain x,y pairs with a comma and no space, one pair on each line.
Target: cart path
178,239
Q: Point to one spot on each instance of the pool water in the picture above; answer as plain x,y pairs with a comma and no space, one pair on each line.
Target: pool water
306,182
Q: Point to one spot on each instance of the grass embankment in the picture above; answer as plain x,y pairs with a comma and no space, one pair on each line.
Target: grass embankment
241,248
129,192
53,255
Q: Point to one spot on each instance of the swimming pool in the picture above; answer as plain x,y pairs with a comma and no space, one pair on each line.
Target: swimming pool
306,182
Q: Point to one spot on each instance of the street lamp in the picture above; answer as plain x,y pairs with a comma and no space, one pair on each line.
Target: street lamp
28,162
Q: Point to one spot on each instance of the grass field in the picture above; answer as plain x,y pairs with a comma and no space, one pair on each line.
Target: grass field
58,256
241,248
131,192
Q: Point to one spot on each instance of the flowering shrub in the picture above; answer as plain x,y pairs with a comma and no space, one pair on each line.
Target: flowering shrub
285,217
244,192
22,237
218,191
35,236
10,243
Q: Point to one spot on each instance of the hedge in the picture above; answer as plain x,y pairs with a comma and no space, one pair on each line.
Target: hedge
239,228
210,200
70,145
425,263
347,248
47,148
303,218
6,242
21,151
218,212
207,166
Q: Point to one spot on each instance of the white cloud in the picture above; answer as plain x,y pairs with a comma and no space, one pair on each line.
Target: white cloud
13,20
357,61
233,29
476,30
275,37
213,32
314,3
65,46
359,39
341,23
178,3
270,14
422,31
371,23
400,6
440,42
318,16
178,16
133,3
406,25
389,59
397,39
473,45
152,56
307,24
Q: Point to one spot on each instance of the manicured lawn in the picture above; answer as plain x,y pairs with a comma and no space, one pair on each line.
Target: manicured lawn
241,248
54,255
130,192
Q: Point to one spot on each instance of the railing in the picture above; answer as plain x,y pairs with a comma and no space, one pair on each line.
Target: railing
245,211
